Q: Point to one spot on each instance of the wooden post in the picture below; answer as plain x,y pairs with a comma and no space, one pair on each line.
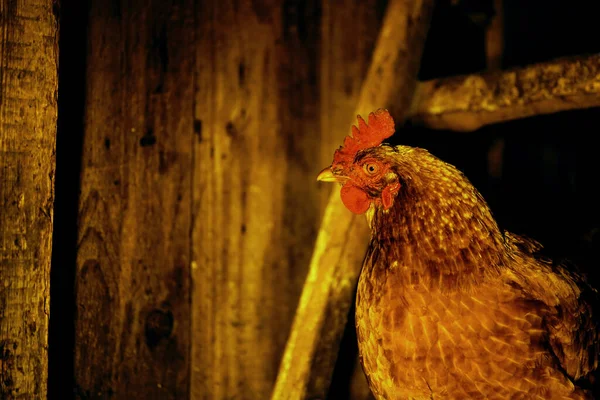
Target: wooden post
133,264
312,348
28,113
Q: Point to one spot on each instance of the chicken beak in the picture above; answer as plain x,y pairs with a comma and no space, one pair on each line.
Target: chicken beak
326,175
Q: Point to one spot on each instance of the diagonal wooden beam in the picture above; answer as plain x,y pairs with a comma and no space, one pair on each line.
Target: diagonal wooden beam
312,348
466,103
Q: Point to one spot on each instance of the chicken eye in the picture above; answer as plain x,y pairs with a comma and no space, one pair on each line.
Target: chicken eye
371,168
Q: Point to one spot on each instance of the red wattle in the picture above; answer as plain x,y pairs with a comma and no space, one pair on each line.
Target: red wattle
387,195
355,199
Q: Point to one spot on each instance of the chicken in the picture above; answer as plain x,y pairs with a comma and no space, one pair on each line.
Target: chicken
448,305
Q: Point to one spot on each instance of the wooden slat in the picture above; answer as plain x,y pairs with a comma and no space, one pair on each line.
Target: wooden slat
133,262
255,199
466,103
28,113
312,348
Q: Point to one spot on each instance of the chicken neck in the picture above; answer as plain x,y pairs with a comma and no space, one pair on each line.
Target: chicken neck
439,232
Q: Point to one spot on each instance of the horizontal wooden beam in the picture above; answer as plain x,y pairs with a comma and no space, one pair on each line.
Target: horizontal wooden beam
466,103
312,348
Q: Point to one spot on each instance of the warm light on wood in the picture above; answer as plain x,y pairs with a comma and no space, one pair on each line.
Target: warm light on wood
28,116
466,103
132,327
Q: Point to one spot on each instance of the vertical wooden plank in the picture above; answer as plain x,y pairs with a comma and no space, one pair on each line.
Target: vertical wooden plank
28,90
255,200
132,285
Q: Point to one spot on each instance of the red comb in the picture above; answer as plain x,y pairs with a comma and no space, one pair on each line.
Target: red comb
380,127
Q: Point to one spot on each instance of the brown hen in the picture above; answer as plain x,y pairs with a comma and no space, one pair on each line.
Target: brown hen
448,305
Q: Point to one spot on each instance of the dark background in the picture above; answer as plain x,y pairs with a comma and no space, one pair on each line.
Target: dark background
547,186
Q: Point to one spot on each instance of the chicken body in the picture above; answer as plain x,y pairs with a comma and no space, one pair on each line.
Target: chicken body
451,307
487,342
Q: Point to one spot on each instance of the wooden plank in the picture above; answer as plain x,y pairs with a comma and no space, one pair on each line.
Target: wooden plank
28,112
133,262
329,289
255,199
466,103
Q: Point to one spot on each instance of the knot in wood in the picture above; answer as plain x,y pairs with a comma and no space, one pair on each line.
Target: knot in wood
159,325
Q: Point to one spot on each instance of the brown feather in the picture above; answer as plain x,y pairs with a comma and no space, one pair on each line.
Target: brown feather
451,307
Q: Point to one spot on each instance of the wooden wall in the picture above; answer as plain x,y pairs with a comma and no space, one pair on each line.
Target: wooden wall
202,126
132,330
28,112
269,87
205,126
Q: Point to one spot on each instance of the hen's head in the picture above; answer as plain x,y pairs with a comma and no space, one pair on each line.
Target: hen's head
419,207
362,166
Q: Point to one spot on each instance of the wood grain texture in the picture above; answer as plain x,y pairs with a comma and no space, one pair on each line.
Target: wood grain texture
255,198
132,287
28,112
343,237
466,103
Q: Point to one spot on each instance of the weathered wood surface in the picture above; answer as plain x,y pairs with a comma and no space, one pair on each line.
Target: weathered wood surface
255,209
28,112
312,348
466,103
133,265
